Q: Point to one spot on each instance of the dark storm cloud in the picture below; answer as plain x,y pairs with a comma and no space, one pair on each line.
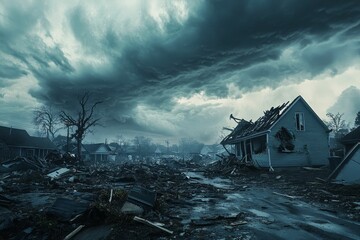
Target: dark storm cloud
223,42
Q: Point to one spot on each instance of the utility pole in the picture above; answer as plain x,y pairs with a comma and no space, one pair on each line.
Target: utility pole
67,137
167,144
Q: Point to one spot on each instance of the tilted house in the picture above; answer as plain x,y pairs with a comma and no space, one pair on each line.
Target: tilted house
17,142
288,135
348,171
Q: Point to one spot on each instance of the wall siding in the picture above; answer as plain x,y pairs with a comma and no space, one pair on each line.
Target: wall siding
315,138
350,172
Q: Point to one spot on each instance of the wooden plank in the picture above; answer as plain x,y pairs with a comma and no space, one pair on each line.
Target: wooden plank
144,221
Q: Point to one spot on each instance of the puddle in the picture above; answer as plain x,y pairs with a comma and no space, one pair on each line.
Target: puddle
333,228
259,213
234,196
216,182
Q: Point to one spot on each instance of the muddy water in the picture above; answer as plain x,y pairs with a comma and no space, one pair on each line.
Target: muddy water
264,215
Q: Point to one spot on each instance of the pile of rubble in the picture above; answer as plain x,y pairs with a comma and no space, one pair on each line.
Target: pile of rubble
58,198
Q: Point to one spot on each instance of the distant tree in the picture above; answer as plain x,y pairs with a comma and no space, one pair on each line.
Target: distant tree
189,146
337,123
47,121
83,122
144,146
357,119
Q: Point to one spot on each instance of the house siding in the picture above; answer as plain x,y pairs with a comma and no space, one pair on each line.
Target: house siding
350,172
311,145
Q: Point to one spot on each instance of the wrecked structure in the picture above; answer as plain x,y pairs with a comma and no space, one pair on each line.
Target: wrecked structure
286,136
18,143
347,171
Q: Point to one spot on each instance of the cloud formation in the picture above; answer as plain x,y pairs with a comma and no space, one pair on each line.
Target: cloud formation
141,57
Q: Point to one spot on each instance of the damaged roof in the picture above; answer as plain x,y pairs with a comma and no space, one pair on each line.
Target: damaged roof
94,147
352,137
20,138
247,128
264,123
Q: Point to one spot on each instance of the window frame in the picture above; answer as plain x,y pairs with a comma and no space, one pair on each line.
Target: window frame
300,121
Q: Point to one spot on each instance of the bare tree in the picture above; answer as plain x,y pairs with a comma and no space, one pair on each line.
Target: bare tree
357,119
47,121
336,122
84,120
143,145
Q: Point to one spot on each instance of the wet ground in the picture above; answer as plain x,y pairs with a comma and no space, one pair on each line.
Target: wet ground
193,201
259,213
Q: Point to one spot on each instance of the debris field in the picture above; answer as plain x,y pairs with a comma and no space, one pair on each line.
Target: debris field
172,200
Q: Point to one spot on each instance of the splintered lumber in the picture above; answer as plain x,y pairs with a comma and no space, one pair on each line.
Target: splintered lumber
285,195
144,221
312,169
111,195
73,233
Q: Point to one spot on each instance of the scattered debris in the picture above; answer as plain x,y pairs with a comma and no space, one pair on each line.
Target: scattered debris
73,233
66,209
58,173
186,196
285,195
156,225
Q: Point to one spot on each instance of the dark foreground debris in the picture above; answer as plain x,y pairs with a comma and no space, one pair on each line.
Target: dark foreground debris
177,200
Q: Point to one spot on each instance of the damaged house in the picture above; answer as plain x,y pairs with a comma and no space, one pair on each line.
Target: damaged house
99,152
287,135
347,171
18,143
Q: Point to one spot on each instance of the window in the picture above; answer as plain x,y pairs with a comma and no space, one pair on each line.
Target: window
300,121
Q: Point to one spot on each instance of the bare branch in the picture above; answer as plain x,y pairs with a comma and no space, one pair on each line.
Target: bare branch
84,121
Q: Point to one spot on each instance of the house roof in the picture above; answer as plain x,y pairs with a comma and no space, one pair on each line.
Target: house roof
40,142
92,148
20,138
352,137
14,136
346,159
263,124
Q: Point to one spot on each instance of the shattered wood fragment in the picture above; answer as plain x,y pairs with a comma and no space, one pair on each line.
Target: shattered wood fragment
111,195
285,195
312,169
76,217
73,233
320,179
58,173
240,222
144,221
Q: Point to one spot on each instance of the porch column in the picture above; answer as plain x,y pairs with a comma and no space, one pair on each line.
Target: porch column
245,152
268,152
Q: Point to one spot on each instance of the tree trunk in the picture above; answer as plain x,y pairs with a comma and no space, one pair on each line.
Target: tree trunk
79,150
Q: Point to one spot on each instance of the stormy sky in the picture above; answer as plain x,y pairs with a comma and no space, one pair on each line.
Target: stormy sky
172,69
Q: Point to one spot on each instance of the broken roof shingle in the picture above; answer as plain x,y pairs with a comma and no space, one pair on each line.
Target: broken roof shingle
20,138
352,137
247,128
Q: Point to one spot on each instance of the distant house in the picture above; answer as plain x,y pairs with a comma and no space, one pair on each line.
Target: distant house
287,135
17,142
212,150
158,152
99,152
